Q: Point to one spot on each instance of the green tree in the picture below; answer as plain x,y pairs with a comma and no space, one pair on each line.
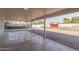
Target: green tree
33,22
67,20
75,20
38,22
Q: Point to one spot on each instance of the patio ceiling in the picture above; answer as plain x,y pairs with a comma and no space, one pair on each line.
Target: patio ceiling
20,14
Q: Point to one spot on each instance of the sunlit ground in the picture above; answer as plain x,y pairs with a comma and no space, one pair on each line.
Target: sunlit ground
65,31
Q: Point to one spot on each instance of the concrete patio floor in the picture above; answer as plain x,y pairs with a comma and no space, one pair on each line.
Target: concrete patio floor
21,41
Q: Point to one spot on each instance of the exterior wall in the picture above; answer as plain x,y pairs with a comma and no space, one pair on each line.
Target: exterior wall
38,26
54,25
1,29
69,25
74,26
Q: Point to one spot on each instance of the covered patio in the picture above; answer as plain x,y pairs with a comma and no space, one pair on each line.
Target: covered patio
29,38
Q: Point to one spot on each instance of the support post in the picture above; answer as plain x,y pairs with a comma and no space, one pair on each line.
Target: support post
44,24
31,26
44,29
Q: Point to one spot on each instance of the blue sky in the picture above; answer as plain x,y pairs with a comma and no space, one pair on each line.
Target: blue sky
60,18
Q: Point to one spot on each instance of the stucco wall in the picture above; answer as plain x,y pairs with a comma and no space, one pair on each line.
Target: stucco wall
1,29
